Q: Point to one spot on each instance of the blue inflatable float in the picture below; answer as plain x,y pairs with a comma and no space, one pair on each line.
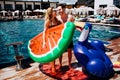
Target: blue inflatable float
91,55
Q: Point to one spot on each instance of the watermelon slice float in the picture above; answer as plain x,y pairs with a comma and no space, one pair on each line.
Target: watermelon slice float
57,41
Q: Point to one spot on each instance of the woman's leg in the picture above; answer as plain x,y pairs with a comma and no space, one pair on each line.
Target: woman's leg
53,67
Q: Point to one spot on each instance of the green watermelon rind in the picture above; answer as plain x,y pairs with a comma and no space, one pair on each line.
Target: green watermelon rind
67,34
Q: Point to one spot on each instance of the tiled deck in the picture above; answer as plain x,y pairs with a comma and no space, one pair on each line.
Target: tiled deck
33,72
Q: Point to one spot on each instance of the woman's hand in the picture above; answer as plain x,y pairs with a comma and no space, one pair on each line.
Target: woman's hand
43,44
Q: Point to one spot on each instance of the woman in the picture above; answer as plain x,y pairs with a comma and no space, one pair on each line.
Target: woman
50,21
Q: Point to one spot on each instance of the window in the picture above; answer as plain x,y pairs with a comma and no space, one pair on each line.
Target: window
0,7
8,7
29,7
102,6
19,7
45,5
37,7
117,3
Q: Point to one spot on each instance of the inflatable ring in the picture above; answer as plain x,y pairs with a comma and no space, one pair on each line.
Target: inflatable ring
57,41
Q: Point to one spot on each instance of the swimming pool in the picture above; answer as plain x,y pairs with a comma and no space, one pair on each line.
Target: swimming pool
23,31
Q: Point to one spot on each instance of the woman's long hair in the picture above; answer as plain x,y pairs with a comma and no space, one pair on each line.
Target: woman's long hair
48,14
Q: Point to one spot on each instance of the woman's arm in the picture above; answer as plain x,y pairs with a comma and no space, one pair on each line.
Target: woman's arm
46,26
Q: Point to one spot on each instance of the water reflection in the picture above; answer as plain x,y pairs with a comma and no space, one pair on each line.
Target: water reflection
23,31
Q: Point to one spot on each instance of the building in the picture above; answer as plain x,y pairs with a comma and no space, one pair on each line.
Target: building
77,3
116,3
26,4
40,4
89,3
105,3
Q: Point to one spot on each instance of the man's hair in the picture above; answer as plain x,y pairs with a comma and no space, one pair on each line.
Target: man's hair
62,5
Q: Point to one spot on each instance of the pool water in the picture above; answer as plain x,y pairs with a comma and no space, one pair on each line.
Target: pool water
23,31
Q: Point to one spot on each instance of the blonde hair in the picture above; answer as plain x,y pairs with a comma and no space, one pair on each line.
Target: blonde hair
48,14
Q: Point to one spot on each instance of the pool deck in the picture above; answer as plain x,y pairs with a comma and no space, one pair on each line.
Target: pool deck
104,24
33,72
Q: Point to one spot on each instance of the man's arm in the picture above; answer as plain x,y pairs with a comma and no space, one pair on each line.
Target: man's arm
71,18
59,18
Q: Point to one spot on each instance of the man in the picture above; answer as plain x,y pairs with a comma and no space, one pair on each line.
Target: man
63,17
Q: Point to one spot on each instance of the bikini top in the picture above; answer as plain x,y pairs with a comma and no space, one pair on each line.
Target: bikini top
52,24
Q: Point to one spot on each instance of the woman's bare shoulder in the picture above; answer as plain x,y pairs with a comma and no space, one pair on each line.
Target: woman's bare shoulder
47,23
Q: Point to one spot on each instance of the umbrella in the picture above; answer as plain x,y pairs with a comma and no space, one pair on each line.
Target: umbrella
28,11
37,10
112,9
100,10
68,11
90,9
74,10
3,12
40,10
44,10
17,11
84,10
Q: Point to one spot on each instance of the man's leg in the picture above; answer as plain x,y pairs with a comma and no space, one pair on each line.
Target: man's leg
69,57
60,61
